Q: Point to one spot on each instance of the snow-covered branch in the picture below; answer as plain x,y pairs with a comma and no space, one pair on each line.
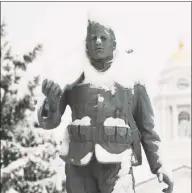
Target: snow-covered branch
15,165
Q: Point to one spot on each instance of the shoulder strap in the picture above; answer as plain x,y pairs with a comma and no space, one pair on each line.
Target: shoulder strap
135,132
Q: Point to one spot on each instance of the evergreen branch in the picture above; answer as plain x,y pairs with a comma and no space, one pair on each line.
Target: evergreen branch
15,165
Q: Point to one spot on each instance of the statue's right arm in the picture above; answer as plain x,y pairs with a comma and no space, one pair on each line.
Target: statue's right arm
48,118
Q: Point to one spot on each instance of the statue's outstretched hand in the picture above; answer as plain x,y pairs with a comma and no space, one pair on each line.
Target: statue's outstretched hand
166,177
52,91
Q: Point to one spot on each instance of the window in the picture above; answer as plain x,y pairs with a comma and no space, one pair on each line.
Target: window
184,124
182,83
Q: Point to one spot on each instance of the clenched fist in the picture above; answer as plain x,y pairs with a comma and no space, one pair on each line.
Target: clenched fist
52,91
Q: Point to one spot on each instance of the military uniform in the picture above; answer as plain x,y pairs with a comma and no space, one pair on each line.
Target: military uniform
104,137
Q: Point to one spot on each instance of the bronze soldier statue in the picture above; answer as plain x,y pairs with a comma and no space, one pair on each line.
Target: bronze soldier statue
109,123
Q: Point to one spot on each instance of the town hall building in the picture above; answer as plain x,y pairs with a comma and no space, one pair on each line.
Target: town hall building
173,101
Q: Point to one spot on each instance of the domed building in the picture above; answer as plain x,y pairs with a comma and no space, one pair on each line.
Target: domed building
172,106
173,102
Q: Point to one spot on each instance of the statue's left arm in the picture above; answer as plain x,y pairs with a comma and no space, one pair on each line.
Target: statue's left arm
144,117
149,138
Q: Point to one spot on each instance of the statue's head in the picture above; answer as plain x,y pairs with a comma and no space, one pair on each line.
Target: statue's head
100,44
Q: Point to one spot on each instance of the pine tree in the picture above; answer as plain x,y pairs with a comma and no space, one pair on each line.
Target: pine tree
26,155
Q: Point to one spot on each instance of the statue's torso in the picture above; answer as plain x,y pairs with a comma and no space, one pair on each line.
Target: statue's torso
101,121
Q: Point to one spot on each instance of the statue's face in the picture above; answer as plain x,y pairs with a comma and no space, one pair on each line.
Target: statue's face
100,43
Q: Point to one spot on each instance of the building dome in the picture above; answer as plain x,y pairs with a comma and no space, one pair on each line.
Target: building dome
177,71
173,100
179,59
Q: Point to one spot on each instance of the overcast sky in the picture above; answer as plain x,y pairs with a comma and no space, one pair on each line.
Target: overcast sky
153,30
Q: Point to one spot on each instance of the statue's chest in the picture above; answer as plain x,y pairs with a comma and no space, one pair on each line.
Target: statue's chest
87,100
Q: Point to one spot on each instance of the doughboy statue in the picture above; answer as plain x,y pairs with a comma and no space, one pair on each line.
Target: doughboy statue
110,121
